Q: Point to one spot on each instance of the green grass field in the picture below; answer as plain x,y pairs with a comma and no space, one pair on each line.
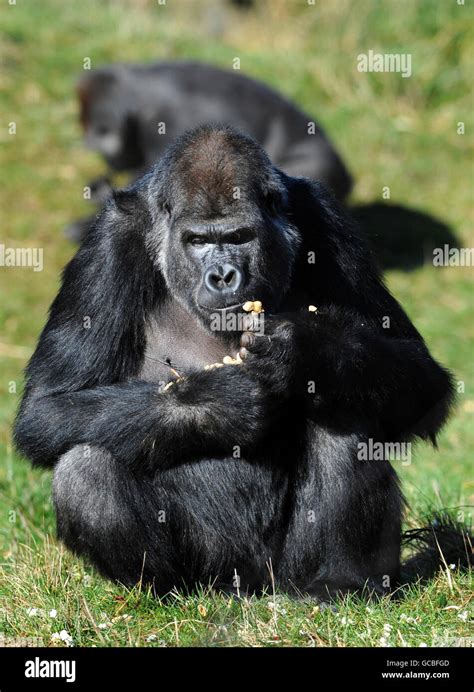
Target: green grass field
395,132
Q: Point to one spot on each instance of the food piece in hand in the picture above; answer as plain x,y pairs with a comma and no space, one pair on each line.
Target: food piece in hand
253,306
228,360
212,366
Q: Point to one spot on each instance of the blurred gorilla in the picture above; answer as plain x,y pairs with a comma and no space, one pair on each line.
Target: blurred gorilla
124,106
243,466
243,4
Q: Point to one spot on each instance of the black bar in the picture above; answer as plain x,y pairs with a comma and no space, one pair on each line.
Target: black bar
127,667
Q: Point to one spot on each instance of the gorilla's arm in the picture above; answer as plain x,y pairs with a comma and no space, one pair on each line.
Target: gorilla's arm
358,371
348,372
82,385
140,425
360,349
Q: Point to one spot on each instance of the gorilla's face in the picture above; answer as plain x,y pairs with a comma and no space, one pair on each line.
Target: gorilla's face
115,135
226,238
110,124
219,263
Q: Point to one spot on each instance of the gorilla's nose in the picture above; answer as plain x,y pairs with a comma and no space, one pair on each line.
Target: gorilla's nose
223,278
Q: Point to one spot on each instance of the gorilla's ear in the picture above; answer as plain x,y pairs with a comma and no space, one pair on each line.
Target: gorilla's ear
131,211
335,263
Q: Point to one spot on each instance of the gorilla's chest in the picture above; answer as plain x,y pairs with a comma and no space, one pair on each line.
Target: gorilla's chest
175,343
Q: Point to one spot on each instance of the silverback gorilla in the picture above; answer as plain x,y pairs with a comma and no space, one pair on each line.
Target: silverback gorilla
236,469
130,113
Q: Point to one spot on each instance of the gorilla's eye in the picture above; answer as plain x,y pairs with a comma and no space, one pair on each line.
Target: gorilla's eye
197,240
243,235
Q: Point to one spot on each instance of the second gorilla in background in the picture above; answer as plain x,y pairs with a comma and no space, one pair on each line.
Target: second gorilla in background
130,113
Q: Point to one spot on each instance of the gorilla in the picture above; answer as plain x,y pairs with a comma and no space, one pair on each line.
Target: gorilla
178,474
123,107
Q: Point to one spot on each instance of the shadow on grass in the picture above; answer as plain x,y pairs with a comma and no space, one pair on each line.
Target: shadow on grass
402,238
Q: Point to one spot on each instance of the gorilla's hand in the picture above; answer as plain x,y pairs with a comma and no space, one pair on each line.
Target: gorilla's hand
230,405
272,356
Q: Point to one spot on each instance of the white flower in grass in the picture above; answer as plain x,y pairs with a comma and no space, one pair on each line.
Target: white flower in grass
119,618
387,628
103,626
276,607
423,645
151,638
62,636
32,612
408,618
53,613
66,637
452,567
463,616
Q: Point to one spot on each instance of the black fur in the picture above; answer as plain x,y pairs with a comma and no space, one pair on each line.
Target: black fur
149,483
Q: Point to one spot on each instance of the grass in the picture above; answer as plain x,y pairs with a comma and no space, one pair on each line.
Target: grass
395,132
